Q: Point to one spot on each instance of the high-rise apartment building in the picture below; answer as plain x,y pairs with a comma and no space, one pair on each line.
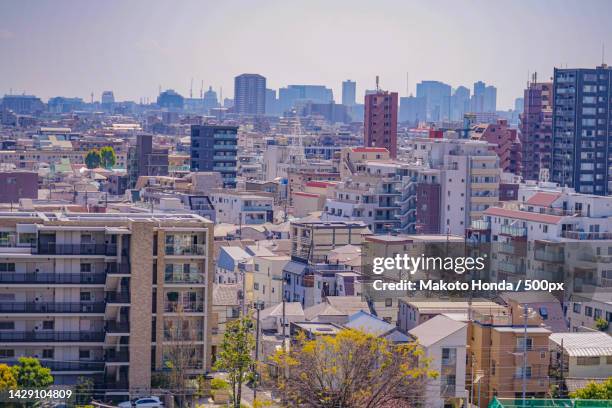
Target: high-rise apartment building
490,99
581,129
536,129
250,94
380,121
214,148
106,296
348,92
460,103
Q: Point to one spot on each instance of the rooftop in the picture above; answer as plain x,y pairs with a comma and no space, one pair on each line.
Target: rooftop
584,344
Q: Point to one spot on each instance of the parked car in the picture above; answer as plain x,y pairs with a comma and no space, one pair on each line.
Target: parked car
147,402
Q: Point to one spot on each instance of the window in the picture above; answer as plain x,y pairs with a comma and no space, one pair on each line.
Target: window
85,268
520,343
47,353
493,364
576,307
7,325
256,286
7,267
388,302
588,311
519,372
597,314
48,325
85,296
7,353
587,360
84,354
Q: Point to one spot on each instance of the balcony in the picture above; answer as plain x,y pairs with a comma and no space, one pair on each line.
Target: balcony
183,335
512,231
49,336
113,356
186,307
75,249
53,278
225,147
113,327
511,268
184,278
447,390
256,208
117,297
52,307
587,236
548,256
199,250
481,225
225,158
65,365
118,268
224,136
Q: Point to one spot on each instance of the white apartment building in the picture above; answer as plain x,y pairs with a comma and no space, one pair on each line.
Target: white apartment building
241,207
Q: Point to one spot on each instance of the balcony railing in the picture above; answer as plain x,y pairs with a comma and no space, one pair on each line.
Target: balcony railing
75,249
514,231
585,236
186,250
45,336
548,256
64,365
117,297
117,356
183,335
53,278
184,278
118,268
117,327
52,307
256,208
480,225
187,307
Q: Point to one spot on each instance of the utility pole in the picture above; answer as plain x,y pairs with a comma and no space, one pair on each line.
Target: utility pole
258,307
561,381
525,354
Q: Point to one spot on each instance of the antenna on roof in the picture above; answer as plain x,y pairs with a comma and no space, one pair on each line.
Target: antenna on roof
191,89
377,81
603,53
202,90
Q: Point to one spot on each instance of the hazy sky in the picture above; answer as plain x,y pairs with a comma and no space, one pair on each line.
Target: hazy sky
72,48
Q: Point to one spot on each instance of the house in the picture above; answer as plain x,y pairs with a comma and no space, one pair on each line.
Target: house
444,342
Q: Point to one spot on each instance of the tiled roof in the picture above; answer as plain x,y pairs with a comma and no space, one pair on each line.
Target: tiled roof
523,215
543,199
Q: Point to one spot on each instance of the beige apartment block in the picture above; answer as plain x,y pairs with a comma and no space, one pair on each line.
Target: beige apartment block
106,296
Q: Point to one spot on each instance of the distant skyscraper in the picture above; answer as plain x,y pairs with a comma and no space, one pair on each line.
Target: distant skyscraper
581,129
108,98
412,109
519,105
380,121
209,101
250,94
348,92
478,97
536,129
437,99
301,94
460,103
490,99
271,102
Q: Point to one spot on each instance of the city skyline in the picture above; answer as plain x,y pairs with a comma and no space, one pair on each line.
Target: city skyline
134,48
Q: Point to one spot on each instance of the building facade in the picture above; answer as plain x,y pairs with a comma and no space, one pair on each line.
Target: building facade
536,129
250,94
380,121
215,148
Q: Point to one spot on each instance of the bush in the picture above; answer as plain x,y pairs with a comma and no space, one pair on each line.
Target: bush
218,384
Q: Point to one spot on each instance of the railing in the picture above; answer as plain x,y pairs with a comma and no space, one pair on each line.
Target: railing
186,250
480,225
514,231
117,327
73,365
172,277
548,256
117,297
75,249
52,307
44,336
225,147
183,335
117,357
118,268
256,208
53,278
224,168
189,307
447,390
584,236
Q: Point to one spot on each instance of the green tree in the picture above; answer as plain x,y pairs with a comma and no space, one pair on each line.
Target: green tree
593,390
7,379
93,159
601,324
108,157
84,390
30,374
236,355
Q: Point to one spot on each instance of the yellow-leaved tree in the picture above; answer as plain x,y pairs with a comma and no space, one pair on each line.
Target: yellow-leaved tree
351,370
